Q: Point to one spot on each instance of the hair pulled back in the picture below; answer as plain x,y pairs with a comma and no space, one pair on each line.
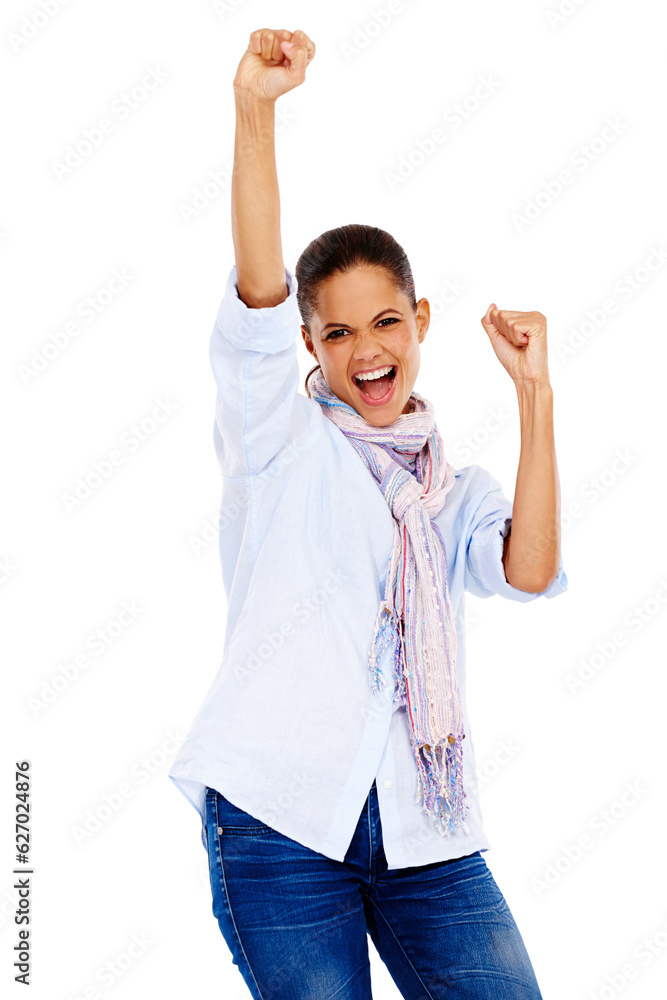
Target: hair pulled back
338,251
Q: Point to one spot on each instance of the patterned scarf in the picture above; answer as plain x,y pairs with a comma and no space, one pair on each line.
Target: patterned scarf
416,615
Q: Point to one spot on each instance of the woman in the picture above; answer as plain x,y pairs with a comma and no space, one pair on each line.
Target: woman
331,761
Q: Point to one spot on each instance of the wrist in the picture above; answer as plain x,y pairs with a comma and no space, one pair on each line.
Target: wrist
536,407
533,390
250,103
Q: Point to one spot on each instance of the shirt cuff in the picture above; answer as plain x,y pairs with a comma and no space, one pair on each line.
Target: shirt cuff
486,564
267,330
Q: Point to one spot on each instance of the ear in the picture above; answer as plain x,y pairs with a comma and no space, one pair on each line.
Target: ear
423,318
308,341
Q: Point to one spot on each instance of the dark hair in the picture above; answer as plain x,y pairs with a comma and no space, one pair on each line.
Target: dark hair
338,251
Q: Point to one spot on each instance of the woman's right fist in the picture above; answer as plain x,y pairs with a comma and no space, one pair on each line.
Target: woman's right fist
269,67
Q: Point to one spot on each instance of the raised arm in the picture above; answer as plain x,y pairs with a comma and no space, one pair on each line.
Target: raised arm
532,554
274,62
253,346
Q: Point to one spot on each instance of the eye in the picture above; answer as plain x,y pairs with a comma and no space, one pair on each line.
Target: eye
386,319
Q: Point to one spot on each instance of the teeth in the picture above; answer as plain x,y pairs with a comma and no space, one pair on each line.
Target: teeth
372,375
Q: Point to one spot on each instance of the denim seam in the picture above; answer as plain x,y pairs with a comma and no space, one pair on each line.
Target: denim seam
249,831
229,905
371,847
407,959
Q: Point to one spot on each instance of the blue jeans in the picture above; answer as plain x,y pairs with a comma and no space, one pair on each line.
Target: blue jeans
296,921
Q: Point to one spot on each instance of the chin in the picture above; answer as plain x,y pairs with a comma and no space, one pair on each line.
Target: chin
384,417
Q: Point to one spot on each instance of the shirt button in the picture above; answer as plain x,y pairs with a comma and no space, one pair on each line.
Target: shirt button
219,829
388,784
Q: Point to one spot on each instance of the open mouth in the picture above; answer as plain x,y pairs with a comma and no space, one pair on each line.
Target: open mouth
377,390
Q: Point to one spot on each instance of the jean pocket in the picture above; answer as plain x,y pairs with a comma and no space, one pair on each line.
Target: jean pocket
232,819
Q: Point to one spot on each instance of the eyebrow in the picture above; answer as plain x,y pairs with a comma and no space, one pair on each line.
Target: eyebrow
348,327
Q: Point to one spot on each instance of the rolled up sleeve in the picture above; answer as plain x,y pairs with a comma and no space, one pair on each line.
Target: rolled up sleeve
485,573
254,361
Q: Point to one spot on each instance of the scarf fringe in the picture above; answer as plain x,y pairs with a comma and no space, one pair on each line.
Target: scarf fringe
440,781
415,617
439,768
387,630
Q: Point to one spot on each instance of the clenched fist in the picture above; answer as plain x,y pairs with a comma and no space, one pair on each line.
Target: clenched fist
519,340
274,62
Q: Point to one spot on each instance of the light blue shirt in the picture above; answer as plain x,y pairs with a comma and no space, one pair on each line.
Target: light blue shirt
289,730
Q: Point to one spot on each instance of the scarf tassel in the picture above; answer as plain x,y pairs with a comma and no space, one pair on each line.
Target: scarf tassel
440,776
387,631
415,495
439,768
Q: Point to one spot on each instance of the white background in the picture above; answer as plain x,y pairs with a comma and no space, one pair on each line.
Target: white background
372,94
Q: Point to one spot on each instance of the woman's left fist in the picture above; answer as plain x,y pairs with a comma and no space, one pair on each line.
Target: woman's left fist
520,342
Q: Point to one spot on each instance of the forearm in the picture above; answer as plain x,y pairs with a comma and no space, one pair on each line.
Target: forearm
532,552
256,205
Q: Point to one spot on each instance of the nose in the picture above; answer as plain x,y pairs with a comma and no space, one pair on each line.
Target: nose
367,350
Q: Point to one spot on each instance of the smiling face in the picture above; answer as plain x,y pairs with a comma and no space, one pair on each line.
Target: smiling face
362,323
